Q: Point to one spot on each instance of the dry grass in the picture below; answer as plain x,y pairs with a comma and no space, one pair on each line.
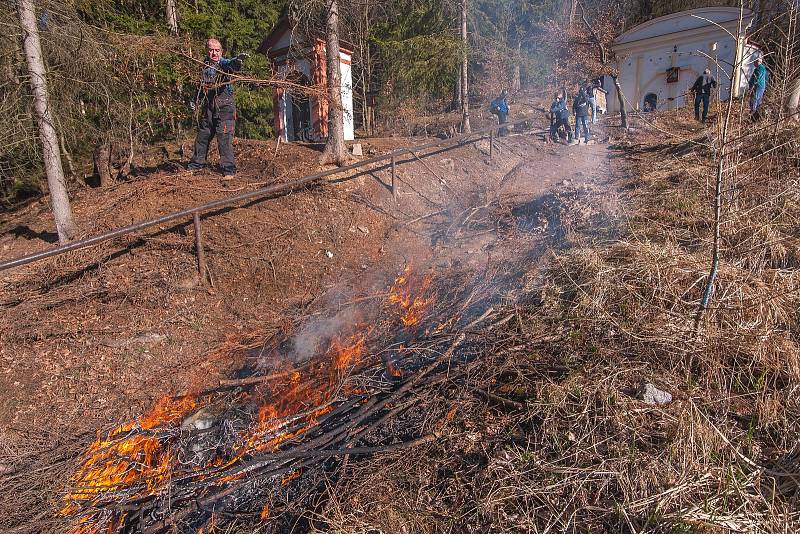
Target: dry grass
603,317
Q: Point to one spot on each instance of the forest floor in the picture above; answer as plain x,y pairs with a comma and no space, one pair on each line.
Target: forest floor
98,335
95,338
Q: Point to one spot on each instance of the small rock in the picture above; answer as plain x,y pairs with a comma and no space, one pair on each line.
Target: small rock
357,151
580,173
148,338
591,142
190,282
482,145
204,419
652,395
364,230
329,254
565,182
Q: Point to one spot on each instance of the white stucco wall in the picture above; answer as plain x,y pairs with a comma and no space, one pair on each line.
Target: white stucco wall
347,96
645,72
685,40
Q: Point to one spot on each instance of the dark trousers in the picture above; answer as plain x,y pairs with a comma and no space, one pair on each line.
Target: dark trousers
699,97
502,118
218,120
581,120
558,123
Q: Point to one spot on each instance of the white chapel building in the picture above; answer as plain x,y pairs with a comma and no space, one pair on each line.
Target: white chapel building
659,60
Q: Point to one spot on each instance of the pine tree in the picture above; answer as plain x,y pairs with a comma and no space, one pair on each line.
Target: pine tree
335,148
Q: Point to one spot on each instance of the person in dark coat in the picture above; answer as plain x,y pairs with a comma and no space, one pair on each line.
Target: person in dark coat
499,107
580,106
214,98
702,93
591,94
559,116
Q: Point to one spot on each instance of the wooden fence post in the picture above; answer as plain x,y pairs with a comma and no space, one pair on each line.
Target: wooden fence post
198,247
394,184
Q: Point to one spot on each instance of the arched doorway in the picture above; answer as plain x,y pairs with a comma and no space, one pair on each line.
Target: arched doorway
300,111
650,102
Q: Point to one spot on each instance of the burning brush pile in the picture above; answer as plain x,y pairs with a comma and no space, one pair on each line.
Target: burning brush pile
245,451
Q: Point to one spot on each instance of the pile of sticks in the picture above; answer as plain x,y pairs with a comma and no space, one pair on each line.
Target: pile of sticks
210,474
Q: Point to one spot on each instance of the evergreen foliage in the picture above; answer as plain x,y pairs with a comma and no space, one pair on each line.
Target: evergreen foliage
419,50
116,73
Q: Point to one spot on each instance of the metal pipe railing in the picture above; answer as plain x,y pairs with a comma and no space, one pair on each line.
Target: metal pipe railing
194,212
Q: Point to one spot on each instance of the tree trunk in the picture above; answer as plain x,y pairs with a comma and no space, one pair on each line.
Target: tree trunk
62,212
172,17
623,114
572,9
723,166
465,127
457,94
65,152
102,164
516,76
335,150
792,106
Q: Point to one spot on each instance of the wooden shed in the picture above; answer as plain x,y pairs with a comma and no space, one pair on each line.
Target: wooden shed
302,59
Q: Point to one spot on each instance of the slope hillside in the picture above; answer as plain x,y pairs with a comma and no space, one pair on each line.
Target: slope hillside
96,337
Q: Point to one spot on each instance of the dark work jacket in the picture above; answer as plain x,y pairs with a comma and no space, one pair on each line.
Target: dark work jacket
704,84
215,82
559,110
580,106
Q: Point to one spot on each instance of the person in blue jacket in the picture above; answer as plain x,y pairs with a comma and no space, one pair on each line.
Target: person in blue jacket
499,107
214,97
757,85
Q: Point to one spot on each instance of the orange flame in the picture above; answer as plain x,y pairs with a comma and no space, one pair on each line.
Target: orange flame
137,457
348,354
393,369
402,293
291,476
265,512
127,457
299,394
